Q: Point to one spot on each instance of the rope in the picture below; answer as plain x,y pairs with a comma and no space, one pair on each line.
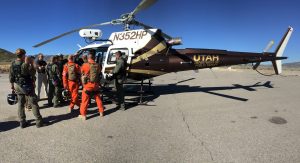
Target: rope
263,73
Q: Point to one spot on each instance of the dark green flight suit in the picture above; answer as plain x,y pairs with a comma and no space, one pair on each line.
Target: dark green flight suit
60,65
119,74
54,76
23,76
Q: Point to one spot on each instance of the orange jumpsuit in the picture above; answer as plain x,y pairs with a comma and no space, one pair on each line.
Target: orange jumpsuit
72,86
90,86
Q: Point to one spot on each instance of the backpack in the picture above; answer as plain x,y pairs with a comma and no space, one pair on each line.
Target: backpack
17,71
93,73
24,81
18,74
71,72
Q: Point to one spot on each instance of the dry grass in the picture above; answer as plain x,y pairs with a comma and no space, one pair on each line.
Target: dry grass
4,67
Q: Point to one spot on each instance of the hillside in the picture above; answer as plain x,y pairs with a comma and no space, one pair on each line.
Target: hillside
6,56
292,65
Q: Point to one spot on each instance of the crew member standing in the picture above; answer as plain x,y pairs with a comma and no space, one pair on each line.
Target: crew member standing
21,76
41,76
54,76
60,63
119,75
71,80
90,80
30,60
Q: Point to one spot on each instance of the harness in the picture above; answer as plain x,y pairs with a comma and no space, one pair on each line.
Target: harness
93,73
71,72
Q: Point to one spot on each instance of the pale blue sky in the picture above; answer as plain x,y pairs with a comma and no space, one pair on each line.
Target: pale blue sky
237,25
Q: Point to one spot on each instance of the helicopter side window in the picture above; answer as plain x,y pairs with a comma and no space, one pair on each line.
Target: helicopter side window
112,57
102,58
100,54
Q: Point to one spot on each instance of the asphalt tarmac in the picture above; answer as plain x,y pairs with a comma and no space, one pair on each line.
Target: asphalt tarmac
219,116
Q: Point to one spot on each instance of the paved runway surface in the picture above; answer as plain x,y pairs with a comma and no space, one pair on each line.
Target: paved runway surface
204,117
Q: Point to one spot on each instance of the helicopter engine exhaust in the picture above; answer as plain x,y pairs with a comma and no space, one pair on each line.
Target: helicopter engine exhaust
175,41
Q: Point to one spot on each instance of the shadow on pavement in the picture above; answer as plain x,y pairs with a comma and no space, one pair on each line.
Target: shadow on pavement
175,89
109,97
9,125
58,118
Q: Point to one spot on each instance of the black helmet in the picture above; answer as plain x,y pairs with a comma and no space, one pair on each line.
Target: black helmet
66,94
12,99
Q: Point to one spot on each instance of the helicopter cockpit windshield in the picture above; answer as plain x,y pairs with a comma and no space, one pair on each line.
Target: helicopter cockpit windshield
100,55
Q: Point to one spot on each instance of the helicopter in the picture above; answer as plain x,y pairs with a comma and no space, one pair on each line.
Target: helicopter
150,52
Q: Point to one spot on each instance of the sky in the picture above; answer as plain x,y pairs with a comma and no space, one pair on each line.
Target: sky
236,25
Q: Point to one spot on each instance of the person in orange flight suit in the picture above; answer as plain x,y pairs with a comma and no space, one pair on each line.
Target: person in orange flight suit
71,81
90,73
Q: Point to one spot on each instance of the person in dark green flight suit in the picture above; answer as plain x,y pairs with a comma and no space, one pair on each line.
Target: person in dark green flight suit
21,76
55,87
119,76
60,63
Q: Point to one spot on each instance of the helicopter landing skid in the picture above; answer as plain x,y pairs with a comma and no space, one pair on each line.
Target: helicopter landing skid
107,94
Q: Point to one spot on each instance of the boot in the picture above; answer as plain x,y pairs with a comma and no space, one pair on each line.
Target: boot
122,107
57,105
39,124
23,124
49,104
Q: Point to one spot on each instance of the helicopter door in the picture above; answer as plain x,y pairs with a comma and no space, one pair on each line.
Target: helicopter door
111,59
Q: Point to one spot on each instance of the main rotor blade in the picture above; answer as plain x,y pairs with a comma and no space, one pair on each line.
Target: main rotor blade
149,27
143,5
70,32
141,24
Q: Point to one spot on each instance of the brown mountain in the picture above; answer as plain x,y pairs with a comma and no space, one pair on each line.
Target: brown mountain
6,56
292,65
